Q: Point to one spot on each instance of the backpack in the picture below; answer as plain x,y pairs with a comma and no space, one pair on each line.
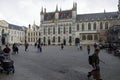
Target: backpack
90,59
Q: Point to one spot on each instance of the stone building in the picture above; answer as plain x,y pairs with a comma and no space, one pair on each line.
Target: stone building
70,28
10,33
33,33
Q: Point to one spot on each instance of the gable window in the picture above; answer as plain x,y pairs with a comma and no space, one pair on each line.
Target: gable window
89,26
101,25
94,26
106,25
82,27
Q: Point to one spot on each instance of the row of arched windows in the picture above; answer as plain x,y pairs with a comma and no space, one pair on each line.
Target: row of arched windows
94,26
90,37
59,39
59,30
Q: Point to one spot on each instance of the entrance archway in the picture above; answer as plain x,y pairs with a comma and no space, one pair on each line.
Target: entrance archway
77,41
49,43
64,42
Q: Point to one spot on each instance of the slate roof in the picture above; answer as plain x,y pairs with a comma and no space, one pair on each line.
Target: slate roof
65,14
97,16
49,16
16,27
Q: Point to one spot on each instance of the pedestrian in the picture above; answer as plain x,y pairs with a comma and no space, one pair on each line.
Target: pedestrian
62,46
95,45
80,46
26,46
1,54
35,44
88,49
13,48
94,62
39,47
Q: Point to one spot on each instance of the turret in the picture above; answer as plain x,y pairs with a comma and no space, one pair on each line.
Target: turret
74,11
119,9
41,15
56,13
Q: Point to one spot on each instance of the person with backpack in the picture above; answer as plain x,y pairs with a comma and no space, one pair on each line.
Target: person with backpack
94,62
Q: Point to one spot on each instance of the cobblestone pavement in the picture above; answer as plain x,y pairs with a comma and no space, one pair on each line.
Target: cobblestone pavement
56,64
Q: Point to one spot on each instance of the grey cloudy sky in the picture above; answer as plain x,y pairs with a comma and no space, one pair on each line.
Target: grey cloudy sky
24,12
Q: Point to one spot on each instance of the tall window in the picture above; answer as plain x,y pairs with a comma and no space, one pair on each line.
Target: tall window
94,26
89,37
44,31
54,39
101,25
89,26
58,38
70,30
83,27
95,37
77,27
53,30
59,30
70,39
44,39
106,25
48,30
83,37
64,30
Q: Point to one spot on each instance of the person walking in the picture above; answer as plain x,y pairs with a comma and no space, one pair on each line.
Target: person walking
26,46
62,46
88,49
95,45
1,54
95,64
39,46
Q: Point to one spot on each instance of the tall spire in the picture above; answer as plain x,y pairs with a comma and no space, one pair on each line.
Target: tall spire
56,8
42,10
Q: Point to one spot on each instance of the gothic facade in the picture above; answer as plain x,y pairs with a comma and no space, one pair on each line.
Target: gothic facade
69,28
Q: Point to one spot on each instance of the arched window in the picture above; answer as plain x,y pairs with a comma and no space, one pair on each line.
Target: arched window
77,27
101,25
58,38
89,37
48,30
53,30
94,26
54,39
83,37
83,27
70,30
106,25
89,26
